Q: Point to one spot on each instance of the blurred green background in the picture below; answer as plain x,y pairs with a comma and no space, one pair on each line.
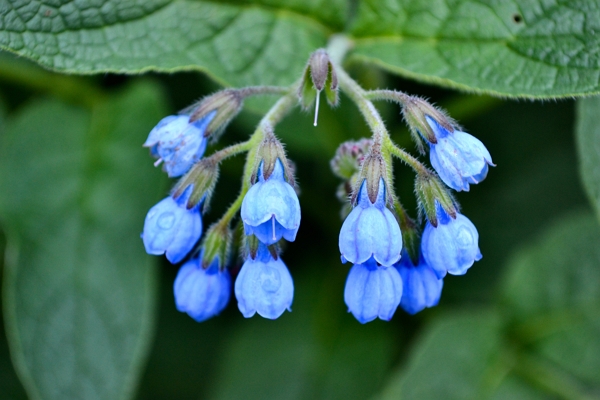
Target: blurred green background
509,329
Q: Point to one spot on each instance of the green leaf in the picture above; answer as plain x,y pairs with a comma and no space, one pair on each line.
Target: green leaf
264,43
458,357
588,145
554,295
520,49
79,291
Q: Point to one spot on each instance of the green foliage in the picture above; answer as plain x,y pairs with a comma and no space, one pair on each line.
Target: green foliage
239,44
509,48
79,291
588,144
545,342
522,49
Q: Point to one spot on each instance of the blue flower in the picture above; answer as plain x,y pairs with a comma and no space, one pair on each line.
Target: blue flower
459,158
201,293
372,291
421,286
452,247
270,209
172,229
178,143
370,230
264,286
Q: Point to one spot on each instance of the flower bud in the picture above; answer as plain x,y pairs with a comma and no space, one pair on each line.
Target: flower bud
216,248
431,194
415,112
202,179
319,75
349,157
226,103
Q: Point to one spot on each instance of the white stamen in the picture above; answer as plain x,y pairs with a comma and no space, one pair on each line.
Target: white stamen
157,163
273,224
317,108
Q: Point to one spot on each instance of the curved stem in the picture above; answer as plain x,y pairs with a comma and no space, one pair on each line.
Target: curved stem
230,151
386,94
257,90
405,156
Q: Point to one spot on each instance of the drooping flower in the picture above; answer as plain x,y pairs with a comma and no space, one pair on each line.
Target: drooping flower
460,159
177,143
264,286
372,291
201,293
171,229
270,209
421,287
370,230
451,247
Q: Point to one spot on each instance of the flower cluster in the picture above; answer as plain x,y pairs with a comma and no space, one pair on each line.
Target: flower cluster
270,211
385,275
396,260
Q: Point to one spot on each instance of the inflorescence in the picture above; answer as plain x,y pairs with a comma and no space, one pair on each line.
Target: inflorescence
397,261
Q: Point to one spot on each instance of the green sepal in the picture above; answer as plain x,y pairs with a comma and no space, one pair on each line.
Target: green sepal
269,150
226,103
431,191
217,246
202,178
415,110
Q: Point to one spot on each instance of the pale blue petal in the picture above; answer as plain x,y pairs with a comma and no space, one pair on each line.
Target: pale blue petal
201,293
265,288
372,291
452,247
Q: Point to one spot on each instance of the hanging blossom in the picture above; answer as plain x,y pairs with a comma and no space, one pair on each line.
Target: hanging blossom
270,209
172,229
264,285
177,143
421,286
370,230
451,247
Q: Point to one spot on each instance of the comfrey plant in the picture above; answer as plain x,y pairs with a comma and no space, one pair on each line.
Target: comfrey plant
397,261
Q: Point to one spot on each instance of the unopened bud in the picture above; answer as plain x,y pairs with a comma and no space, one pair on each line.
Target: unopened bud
227,104
416,111
431,194
319,75
202,178
349,157
216,246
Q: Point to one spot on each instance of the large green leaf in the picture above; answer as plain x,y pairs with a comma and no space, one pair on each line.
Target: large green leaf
79,292
554,295
588,146
512,48
458,357
239,43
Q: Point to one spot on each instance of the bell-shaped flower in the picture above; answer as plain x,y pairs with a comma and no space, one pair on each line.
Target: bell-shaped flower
370,230
421,287
372,291
451,247
201,293
171,229
270,209
264,286
459,158
177,143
